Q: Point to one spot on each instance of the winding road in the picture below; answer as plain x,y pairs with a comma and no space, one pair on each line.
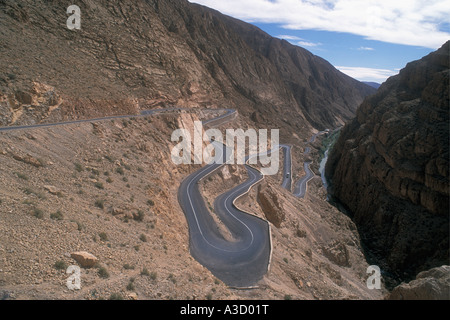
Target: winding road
239,263
287,167
242,261
143,113
245,259
302,185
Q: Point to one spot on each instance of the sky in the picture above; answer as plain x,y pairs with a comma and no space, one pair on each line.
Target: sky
370,40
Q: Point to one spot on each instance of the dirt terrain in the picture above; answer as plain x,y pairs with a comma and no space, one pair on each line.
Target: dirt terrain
110,188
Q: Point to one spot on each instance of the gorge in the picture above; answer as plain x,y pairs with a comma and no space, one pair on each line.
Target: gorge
390,169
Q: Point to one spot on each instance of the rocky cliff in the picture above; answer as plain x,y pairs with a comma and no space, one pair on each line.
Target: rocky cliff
432,284
390,168
130,55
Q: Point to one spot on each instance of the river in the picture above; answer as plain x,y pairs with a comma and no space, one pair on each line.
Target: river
322,169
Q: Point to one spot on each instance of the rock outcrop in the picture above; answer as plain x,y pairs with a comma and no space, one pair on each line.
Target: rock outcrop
270,205
433,284
337,253
390,168
85,259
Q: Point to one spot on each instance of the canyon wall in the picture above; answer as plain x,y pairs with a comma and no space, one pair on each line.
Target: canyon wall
390,168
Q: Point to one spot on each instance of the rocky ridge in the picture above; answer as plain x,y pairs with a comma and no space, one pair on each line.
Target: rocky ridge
130,55
390,168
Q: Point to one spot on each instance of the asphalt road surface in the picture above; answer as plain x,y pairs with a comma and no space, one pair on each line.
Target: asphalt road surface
287,167
301,186
244,260
241,262
143,113
287,164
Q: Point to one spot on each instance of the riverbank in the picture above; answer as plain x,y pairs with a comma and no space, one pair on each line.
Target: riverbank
327,144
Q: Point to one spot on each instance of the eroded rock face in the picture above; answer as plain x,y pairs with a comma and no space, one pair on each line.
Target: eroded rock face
337,253
390,168
270,205
433,284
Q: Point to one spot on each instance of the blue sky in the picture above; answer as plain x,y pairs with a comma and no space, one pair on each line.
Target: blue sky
369,40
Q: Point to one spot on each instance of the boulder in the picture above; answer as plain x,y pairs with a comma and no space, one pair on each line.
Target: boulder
52,189
28,159
84,259
132,296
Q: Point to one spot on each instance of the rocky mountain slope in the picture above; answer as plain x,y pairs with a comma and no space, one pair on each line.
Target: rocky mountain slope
135,54
109,187
373,84
390,168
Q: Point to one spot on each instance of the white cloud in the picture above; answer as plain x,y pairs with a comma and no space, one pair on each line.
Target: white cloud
308,44
288,37
408,22
299,41
368,74
365,49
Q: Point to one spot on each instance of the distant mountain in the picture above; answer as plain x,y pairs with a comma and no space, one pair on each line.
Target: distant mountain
372,84
140,54
390,168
